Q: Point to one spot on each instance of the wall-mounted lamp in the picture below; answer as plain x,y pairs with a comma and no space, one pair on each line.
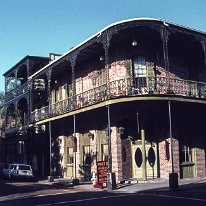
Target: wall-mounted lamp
101,58
91,136
134,43
56,81
121,130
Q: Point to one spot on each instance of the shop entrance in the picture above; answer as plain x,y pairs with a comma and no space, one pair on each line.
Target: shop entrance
69,159
151,160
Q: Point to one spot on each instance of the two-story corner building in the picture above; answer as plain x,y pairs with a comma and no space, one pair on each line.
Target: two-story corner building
18,144
134,94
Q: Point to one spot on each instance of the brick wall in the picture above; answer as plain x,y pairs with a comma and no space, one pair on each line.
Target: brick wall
127,164
165,159
116,152
117,71
62,154
121,167
200,162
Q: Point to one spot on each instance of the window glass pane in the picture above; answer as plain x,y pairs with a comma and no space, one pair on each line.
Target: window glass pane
187,154
104,154
102,77
70,155
86,155
24,167
139,67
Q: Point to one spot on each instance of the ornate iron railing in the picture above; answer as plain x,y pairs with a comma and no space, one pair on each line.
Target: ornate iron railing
16,92
123,87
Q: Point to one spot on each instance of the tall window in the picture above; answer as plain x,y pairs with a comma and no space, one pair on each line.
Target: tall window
86,155
102,77
139,65
104,152
187,155
70,155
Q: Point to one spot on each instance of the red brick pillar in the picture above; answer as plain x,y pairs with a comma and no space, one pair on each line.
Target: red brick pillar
165,158
200,162
121,156
116,153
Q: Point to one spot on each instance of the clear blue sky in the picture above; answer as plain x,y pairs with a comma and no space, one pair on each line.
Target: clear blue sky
39,27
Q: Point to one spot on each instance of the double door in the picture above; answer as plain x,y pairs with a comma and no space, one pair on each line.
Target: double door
151,160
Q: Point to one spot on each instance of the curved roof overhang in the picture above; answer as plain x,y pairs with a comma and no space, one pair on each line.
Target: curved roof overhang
120,23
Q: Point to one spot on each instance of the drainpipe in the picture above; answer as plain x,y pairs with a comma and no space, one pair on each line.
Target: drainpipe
165,39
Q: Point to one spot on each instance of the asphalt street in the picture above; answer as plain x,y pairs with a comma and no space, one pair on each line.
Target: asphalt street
192,193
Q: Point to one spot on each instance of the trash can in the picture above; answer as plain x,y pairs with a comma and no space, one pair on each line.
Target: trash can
173,181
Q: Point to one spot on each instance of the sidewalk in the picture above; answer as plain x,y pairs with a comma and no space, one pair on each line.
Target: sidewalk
130,186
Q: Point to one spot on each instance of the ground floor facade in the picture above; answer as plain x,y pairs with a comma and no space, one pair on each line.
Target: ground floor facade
149,139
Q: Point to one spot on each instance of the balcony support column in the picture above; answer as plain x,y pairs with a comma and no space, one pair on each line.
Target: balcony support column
48,74
105,39
72,58
30,100
165,39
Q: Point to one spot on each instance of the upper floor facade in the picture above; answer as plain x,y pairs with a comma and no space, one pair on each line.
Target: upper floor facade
17,92
126,61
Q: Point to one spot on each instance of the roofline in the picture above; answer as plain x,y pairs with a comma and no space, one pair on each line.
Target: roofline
21,61
106,28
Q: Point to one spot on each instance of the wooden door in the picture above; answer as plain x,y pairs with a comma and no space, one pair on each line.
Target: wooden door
151,160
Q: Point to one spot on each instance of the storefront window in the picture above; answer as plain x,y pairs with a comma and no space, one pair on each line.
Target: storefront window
187,154
86,155
70,155
104,152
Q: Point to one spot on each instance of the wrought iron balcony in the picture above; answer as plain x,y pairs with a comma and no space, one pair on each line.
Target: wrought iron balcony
125,87
20,129
16,92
